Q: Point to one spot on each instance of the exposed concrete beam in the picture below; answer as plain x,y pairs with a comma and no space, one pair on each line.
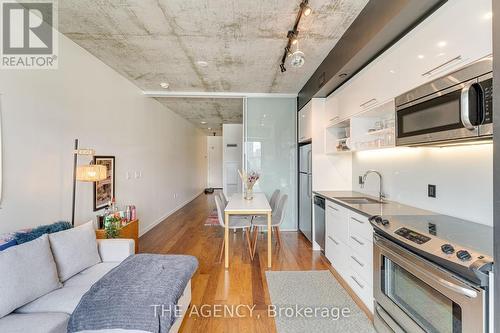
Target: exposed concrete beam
202,94
380,24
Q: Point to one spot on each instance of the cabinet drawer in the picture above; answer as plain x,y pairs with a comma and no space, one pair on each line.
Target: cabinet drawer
361,246
337,222
361,288
337,253
361,266
360,227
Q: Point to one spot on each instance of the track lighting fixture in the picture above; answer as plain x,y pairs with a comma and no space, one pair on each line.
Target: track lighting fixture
297,57
306,10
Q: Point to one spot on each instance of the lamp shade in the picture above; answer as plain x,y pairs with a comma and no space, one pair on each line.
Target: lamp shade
91,173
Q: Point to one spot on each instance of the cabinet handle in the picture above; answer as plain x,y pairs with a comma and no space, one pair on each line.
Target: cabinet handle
333,240
355,219
431,71
357,240
357,260
333,208
367,102
357,282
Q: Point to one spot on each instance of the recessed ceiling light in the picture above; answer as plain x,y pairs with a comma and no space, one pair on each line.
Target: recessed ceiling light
441,43
420,56
202,63
164,85
203,122
392,71
209,128
441,54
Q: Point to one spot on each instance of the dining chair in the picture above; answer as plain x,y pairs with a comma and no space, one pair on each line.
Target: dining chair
277,218
222,197
235,223
274,199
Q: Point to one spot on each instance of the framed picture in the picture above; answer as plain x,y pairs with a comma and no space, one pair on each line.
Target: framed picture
104,190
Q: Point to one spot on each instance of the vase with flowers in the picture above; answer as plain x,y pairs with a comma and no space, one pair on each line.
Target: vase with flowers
249,179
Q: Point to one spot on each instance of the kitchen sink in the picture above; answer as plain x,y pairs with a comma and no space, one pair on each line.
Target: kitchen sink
360,200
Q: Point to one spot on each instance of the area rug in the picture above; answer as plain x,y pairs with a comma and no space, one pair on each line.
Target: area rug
293,293
212,219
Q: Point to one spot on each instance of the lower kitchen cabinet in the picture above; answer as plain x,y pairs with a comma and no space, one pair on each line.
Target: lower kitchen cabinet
349,248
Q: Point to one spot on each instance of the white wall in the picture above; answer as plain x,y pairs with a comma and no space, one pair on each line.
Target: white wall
330,172
232,157
45,110
214,154
463,176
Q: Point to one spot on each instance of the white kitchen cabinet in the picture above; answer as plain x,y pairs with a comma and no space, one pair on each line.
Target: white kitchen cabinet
305,123
457,34
337,222
349,248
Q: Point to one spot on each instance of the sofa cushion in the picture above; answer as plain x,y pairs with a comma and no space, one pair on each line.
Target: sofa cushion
61,300
36,322
31,273
91,275
74,250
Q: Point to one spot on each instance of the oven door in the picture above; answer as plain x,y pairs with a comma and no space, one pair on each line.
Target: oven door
418,296
450,114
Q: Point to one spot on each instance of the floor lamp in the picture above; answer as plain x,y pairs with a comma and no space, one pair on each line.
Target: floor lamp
85,173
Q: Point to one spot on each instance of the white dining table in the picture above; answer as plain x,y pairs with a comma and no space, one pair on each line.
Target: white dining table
238,205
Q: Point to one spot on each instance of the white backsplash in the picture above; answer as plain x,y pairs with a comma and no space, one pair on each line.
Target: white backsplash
463,176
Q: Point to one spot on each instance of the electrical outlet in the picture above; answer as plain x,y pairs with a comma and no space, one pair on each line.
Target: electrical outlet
431,191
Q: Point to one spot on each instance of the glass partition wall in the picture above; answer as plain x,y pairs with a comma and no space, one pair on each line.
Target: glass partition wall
271,149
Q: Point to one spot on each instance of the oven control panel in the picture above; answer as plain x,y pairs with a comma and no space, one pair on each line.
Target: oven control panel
412,235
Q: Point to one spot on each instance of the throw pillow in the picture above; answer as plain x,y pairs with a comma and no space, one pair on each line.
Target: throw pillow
74,250
6,241
28,236
29,272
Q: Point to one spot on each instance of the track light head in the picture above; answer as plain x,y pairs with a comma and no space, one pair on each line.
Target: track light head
282,68
306,10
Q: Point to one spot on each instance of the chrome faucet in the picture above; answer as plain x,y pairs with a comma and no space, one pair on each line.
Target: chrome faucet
381,196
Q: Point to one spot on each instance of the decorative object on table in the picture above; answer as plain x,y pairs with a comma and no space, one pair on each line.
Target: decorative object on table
84,173
104,190
112,227
249,179
129,231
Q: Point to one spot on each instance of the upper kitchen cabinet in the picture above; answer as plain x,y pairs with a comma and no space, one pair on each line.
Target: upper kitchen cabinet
445,41
305,123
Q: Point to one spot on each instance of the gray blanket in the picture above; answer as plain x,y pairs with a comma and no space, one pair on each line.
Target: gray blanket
136,295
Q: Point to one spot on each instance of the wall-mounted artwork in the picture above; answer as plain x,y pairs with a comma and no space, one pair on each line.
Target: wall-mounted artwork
104,190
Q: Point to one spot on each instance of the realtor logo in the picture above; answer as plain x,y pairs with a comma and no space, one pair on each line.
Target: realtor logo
29,38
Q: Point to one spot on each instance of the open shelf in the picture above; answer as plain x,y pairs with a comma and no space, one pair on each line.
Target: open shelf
373,129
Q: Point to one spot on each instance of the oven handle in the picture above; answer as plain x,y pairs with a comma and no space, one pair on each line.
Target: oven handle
382,244
461,290
464,106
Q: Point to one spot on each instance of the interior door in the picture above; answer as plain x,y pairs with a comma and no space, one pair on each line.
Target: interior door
214,147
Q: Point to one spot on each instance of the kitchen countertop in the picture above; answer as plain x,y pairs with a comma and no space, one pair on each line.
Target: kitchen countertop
384,209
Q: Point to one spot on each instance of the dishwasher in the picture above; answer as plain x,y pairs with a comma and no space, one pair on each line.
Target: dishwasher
319,222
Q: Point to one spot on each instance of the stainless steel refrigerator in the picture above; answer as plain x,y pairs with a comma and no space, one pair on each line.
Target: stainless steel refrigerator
305,191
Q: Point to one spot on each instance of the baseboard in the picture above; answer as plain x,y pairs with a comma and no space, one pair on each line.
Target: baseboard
162,218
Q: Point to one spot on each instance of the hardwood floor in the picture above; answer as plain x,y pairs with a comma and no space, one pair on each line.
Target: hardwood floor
244,283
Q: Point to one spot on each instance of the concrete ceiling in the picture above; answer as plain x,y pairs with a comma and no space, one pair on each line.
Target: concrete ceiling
213,111
242,41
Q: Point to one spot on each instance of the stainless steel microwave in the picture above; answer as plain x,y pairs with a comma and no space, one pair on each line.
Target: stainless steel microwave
454,108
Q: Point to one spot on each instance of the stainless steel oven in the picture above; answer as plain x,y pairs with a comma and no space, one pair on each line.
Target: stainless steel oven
414,295
456,107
